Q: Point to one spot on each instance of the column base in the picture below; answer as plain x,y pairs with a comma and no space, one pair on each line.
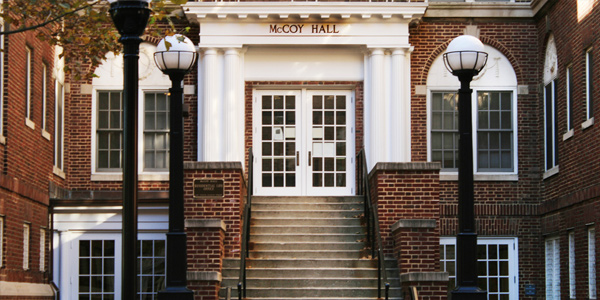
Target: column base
468,293
176,293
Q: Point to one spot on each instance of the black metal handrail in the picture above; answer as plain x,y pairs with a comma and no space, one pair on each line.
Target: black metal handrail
246,229
372,223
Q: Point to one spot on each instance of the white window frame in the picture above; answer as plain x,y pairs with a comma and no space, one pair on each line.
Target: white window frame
591,234
59,139
554,163
42,249
29,87
45,133
155,236
589,117
26,246
572,272
479,175
117,175
569,96
72,269
1,241
513,257
552,270
2,138
142,119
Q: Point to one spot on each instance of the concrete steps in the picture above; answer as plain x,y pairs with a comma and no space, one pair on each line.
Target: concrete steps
308,248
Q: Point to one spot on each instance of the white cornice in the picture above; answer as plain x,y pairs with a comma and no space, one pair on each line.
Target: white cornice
304,10
478,10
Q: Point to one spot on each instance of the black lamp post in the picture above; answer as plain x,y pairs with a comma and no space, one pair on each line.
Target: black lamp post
175,55
464,58
130,18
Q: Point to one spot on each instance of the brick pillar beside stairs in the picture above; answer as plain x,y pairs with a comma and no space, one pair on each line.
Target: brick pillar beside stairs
407,199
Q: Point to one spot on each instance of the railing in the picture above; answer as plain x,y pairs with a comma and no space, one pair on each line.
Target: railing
372,223
246,229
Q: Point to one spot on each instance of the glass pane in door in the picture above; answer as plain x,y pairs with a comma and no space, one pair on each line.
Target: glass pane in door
329,141
278,141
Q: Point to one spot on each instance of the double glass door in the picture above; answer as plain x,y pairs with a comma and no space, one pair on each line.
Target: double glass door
303,143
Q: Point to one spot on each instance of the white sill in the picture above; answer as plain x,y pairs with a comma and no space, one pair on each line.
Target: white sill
2,140
46,134
29,123
119,177
589,122
453,176
551,172
58,172
568,134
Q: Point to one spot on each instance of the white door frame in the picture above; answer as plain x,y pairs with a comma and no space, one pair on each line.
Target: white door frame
303,139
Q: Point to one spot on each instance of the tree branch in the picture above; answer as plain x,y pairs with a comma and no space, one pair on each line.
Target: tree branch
23,29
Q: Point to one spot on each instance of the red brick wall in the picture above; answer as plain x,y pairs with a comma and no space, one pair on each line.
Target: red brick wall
400,192
503,208
572,196
26,157
205,290
17,211
205,249
228,208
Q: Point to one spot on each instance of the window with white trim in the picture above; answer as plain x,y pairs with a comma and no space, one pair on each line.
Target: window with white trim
29,83
97,269
495,134
26,248
552,268
109,131
569,92
42,249
592,262
444,129
1,84
497,265
156,131
572,286
59,128
44,95
1,241
494,103
152,268
589,84
550,108
550,128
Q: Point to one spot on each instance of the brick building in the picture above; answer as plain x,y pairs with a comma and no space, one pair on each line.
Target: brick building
298,92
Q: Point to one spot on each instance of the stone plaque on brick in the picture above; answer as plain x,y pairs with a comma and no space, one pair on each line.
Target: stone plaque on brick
208,188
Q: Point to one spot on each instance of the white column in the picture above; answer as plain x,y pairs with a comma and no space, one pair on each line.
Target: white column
233,120
377,117
212,118
399,137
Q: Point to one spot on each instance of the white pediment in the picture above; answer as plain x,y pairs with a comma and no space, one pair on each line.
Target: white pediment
236,24
498,72
110,72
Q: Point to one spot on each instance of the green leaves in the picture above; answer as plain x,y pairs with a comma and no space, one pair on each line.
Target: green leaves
83,27
179,2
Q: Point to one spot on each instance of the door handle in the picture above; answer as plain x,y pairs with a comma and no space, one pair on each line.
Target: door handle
309,159
297,158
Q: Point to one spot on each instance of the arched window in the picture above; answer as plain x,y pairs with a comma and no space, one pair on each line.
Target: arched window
494,117
550,114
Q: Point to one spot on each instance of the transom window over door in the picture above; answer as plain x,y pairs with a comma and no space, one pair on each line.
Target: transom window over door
304,142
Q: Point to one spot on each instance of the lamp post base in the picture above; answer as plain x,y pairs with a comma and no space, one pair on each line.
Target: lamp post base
468,293
176,293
